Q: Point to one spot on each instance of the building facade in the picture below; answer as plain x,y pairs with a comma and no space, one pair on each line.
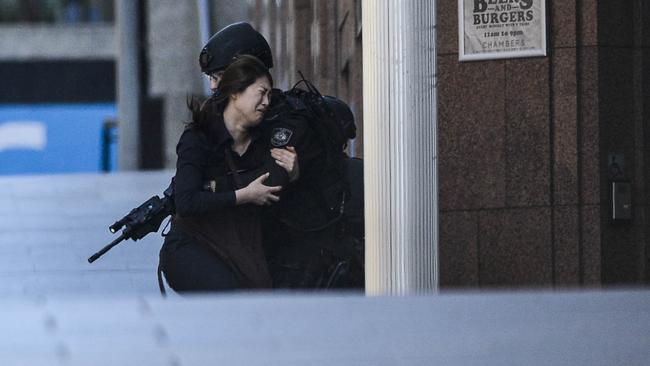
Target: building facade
57,86
526,146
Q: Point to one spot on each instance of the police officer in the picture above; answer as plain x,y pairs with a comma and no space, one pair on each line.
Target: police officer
306,233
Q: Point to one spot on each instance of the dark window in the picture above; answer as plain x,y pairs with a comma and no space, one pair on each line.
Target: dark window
57,82
56,11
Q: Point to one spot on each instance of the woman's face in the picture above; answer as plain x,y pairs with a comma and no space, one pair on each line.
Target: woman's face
251,104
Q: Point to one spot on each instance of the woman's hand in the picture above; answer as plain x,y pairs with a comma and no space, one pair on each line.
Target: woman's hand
257,193
288,159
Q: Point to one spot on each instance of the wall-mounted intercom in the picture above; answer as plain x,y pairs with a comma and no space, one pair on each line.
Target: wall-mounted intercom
621,201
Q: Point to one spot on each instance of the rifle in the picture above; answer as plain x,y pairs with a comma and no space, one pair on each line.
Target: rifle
141,221
148,217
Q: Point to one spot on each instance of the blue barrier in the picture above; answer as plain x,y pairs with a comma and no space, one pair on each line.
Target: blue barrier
54,138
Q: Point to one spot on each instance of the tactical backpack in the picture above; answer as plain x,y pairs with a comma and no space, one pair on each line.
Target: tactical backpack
332,119
332,123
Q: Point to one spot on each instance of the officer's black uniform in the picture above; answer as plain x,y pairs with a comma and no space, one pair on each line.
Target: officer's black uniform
306,233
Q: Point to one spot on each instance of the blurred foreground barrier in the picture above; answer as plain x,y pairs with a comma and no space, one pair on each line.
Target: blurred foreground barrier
527,328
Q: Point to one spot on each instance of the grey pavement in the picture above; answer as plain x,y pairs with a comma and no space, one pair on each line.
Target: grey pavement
50,225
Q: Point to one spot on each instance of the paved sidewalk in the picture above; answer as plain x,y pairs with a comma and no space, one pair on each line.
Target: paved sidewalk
50,225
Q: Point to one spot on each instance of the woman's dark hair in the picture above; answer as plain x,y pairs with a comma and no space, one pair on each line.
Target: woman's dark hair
238,76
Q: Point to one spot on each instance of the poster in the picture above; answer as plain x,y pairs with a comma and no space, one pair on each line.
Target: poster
494,29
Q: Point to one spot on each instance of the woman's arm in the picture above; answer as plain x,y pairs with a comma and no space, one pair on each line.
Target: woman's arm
190,197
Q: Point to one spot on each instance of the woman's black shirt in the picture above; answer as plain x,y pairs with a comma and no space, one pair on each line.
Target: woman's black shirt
204,181
206,211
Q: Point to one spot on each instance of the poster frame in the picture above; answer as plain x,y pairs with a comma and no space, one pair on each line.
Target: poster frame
540,52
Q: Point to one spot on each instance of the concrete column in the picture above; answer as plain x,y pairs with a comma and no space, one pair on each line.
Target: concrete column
174,45
399,104
128,84
203,8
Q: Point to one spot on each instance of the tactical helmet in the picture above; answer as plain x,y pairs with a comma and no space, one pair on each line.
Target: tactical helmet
230,42
342,114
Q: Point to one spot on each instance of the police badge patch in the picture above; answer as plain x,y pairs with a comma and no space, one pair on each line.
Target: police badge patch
280,136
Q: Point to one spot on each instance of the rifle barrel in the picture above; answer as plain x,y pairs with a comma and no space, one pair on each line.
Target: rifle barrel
105,249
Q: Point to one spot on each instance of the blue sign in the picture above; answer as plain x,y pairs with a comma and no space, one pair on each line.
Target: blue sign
53,138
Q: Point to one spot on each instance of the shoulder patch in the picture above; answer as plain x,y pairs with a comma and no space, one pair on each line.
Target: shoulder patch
280,136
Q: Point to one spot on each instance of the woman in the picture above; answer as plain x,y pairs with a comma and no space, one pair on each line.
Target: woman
224,175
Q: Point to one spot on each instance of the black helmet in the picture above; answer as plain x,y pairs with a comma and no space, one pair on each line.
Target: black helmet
230,42
342,114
